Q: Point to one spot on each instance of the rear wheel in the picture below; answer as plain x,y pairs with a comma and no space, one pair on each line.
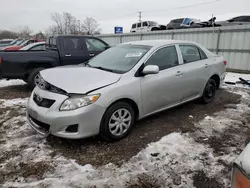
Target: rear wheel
32,78
155,29
117,121
209,91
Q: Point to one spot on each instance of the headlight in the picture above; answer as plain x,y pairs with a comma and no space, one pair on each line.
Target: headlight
75,102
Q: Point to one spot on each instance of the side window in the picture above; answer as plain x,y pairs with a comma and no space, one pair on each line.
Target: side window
38,48
133,26
164,58
145,24
139,25
95,44
71,44
190,53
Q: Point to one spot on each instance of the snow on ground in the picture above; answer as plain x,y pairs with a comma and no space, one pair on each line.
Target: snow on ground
170,162
234,77
4,82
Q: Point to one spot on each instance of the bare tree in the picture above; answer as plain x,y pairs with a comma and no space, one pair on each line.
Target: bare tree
5,34
90,26
65,23
24,31
56,17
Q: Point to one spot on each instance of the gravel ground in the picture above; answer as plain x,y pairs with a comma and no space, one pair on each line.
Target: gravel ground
97,152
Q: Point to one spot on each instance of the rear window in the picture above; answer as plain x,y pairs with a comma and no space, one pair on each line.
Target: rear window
139,25
133,26
51,43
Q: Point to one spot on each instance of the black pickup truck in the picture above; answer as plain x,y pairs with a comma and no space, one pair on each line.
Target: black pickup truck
60,50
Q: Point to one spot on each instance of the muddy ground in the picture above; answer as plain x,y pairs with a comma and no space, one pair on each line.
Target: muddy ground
97,152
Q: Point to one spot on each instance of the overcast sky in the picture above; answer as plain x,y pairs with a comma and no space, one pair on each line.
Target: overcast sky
109,13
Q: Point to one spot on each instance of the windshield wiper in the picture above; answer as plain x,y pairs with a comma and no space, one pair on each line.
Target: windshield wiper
105,69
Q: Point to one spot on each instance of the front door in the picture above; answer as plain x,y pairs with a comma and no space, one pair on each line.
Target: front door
72,51
162,90
195,69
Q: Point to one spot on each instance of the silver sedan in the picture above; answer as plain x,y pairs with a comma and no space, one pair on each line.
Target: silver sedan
121,85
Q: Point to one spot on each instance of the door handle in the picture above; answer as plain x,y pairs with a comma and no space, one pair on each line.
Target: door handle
179,73
68,55
91,55
207,66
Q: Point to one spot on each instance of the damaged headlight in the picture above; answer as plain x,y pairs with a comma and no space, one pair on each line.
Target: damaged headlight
76,102
44,85
40,82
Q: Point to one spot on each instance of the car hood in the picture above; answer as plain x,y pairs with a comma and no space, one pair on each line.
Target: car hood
79,79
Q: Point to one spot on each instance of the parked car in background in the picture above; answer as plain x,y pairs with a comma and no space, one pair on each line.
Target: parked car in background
60,50
240,20
127,82
37,46
184,23
10,44
5,41
20,45
241,170
146,26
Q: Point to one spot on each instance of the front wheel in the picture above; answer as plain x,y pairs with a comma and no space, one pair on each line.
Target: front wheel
209,92
117,122
33,77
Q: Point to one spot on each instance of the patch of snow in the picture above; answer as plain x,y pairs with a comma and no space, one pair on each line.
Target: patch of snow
234,77
5,83
14,102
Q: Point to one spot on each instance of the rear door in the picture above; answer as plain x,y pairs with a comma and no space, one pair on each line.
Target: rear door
72,50
195,70
95,46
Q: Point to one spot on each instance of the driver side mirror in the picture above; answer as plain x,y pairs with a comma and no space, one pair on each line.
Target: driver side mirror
150,69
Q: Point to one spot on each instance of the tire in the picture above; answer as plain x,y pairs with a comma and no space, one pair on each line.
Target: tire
31,77
209,92
108,120
154,29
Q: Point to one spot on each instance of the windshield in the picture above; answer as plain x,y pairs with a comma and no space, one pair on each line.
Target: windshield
19,42
23,43
119,59
14,41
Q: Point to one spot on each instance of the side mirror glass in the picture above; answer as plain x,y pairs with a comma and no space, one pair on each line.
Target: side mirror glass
150,69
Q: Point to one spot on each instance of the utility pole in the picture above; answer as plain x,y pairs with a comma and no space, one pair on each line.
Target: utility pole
140,16
79,22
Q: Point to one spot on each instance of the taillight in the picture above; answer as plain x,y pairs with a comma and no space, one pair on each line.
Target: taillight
1,60
225,62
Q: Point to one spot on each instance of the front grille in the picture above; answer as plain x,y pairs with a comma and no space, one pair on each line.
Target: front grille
43,102
40,124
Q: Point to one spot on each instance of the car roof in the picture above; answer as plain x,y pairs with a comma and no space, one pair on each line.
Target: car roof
157,43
